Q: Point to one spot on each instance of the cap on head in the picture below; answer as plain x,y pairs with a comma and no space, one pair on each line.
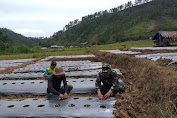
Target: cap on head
106,67
53,63
58,71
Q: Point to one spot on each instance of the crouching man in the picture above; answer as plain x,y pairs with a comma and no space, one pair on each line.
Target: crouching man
54,84
107,83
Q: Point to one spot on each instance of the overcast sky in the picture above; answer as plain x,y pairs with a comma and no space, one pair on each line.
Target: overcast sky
36,18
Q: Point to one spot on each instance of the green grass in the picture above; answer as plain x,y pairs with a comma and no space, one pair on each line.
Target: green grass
174,43
141,27
78,51
127,44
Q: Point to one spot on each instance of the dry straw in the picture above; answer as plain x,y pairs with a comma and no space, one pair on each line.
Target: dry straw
156,85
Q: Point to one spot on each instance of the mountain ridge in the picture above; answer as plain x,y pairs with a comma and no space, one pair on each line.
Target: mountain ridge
20,39
133,23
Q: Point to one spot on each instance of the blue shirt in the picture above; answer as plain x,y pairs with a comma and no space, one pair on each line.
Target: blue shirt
48,71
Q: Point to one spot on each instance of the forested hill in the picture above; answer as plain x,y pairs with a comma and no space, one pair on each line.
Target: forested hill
18,38
5,41
126,22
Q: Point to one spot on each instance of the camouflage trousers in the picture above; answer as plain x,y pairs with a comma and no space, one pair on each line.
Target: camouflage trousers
118,89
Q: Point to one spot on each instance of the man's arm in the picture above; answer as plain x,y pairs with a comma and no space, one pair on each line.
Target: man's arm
65,87
98,87
114,85
115,81
50,86
46,73
107,94
46,76
100,96
98,82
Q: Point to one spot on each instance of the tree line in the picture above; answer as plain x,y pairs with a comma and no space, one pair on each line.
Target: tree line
5,41
104,12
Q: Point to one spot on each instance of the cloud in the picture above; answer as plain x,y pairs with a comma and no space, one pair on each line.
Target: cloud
31,32
25,16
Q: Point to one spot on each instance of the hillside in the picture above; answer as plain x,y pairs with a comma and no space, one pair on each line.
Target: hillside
18,38
126,22
5,42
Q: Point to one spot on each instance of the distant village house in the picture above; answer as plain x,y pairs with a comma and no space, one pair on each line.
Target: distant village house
162,38
55,46
43,48
84,45
71,46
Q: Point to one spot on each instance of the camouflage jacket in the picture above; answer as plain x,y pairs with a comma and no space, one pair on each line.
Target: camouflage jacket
111,82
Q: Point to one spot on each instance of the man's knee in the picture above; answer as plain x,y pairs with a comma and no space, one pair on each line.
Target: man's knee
119,89
51,96
70,87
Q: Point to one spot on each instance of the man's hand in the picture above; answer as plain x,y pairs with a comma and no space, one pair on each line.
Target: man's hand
100,96
65,95
47,76
61,96
107,94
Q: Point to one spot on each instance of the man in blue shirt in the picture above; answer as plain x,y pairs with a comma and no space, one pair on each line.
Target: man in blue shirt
50,70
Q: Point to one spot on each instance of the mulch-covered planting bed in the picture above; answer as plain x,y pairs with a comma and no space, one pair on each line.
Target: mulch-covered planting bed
104,107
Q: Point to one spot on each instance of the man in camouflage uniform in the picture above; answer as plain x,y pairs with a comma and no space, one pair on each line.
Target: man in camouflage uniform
110,83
